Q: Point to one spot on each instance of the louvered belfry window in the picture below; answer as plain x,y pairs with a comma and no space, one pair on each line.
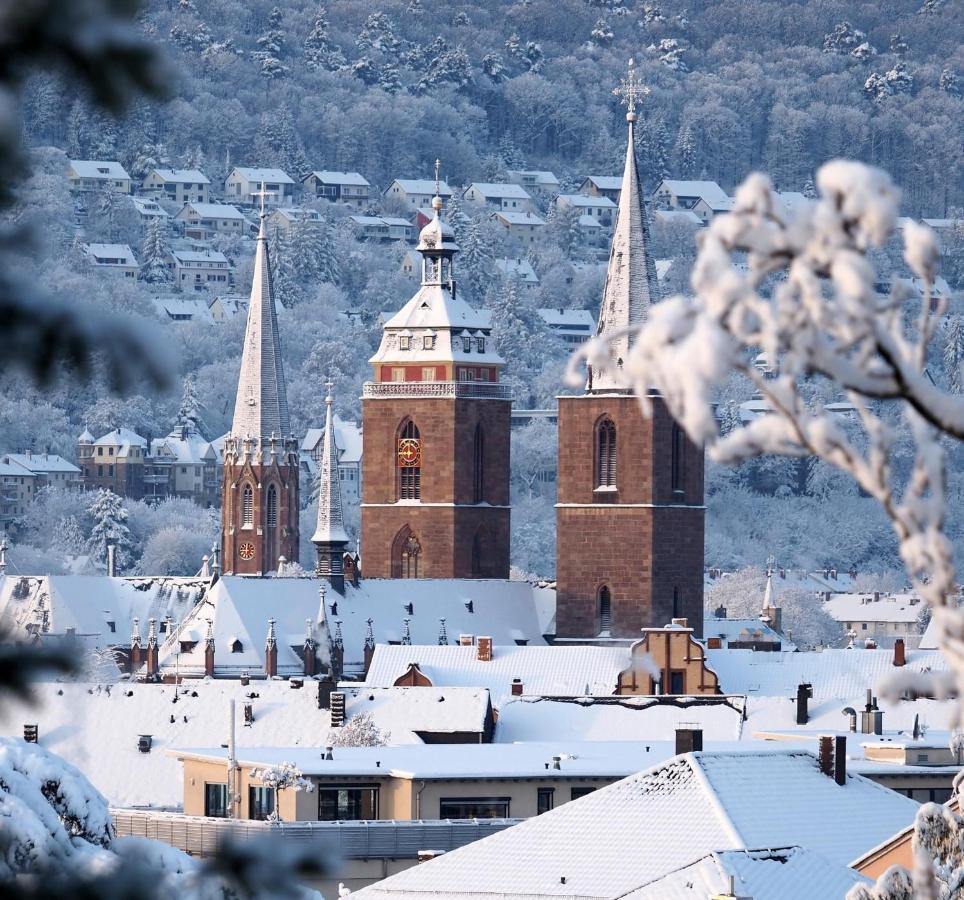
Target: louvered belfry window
606,454
272,511
247,506
605,609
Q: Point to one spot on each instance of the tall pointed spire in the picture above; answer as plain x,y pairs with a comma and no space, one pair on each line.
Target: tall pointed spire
631,284
330,536
261,408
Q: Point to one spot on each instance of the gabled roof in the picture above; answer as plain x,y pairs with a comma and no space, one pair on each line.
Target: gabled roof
149,207
503,190
542,177
122,252
328,177
709,191
519,268
422,186
199,256
41,463
864,608
275,176
181,176
94,168
686,216
631,834
606,182
214,210
582,200
519,218
579,319
434,307
123,437
187,447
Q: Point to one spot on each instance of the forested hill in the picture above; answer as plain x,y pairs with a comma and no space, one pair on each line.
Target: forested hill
386,86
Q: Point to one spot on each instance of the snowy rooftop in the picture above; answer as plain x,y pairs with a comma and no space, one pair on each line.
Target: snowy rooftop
198,256
98,168
542,177
578,319
519,218
215,210
671,216
865,608
194,308
121,437
41,463
606,182
348,440
583,200
182,176
187,447
348,178
275,176
423,186
111,254
559,671
709,191
520,268
630,834
499,190
433,306
743,630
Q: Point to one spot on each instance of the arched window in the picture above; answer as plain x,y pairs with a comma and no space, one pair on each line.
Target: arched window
272,508
676,459
479,471
247,507
606,454
406,553
409,462
237,647
605,604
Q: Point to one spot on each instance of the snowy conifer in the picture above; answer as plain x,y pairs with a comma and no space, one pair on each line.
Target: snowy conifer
670,52
898,45
282,268
110,528
685,151
154,253
388,79
189,413
476,258
601,34
844,38
899,79
318,44
494,68
948,81
953,354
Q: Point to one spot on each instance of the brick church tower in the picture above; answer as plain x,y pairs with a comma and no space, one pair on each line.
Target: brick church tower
436,421
629,516
259,513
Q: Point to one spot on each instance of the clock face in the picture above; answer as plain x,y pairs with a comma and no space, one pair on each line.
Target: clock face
409,453
246,551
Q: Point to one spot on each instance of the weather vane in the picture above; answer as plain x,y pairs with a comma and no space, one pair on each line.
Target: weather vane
631,90
262,194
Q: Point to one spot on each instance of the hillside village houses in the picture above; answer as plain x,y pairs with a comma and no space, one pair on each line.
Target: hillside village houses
522,227
203,220
287,218
417,193
201,270
178,185
98,175
115,258
600,208
243,183
181,308
540,181
507,197
383,228
350,188
148,208
602,186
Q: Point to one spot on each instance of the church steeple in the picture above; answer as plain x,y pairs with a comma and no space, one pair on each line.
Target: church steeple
261,407
631,284
259,512
330,536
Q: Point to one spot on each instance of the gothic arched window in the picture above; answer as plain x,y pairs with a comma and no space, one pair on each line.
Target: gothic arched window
605,604
479,470
409,462
406,554
247,507
272,508
676,459
606,454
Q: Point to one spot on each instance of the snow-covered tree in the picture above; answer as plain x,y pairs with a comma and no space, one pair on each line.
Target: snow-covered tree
953,354
670,52
154,254
494,68
899,79
844,38
319,52
282,268
359,731
313,252
110,528
99,666
388,78
898,46
475,262
864,51
378,34
685,150
602,35
947,82
534,455
189,413
281,777
876,87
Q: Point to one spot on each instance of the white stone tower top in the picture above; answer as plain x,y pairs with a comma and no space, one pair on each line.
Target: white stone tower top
331,522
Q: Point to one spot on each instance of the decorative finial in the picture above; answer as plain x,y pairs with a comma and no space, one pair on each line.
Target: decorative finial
262,194
407,636
443,637
329,385
338,640
136,632
370,636
630,91
272,639
309,629
437,199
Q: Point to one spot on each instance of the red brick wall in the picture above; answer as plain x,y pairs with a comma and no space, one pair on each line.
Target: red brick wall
446,533
640,551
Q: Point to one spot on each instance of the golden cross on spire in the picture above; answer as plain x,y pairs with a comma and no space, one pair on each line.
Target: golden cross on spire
262,194
329,384
631,90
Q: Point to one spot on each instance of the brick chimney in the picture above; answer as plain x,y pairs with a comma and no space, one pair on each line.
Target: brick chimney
516,687
681,623
900,654
337,709
466,640
484,649
832,757
804,693
689,740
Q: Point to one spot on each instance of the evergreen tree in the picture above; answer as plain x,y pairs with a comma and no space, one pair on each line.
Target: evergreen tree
154,253
189,412
389,80
494,68
364,69
810,189
601,34
110,528
282,269
107,204
457,218
685,151
318,50
512,157
476,258
313,252
378,34
75,129
272,41
898,45
518,333
954,354
948,82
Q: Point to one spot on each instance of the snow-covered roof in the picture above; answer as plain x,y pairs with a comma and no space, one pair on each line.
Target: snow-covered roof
149,208
793,201
42,463
518,268
555,671
348,440
98,168
349,178
519,218
930,638
539,176
565,319
397,222
422,186
10,468
606,182
118,254
627,718
865,608
214,210
943,223
743,630
181,176
672,216
194,308
584,200
230,305
709,191
185,446
434,307
199,256
403,711
275,176
295,214
121,437
586,221
630,834
504,190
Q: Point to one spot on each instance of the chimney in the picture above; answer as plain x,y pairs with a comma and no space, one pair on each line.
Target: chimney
337,709
825,755
31,733
714,643
689,740
680,623
144,742
368,654
325,687
852,714
900,655
209,652
484,649
466,640
516,687
876,596
840,759
329,755
804,693
111,552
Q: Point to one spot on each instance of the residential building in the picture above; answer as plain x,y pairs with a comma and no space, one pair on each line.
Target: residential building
243,183
115,461
117,258
183,309
348,443
705,198
677,217
602,186
508,197
532,180
519,269
148,208
383,228
98,175
203,220
286,218
417,192
201,270
619,503
17,488
225,307
439,506
879,617
602,209
49,469
187,465
572,326
338,187
259,513
178,185
523,227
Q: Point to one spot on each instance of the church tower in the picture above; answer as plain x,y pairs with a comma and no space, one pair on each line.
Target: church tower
629,516
436,421
330,537
259,513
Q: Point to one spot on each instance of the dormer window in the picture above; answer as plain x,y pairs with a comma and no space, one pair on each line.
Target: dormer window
466,345
404,342
481,345
428,342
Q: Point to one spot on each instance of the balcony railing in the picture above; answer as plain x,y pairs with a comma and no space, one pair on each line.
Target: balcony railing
475,390
383,839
